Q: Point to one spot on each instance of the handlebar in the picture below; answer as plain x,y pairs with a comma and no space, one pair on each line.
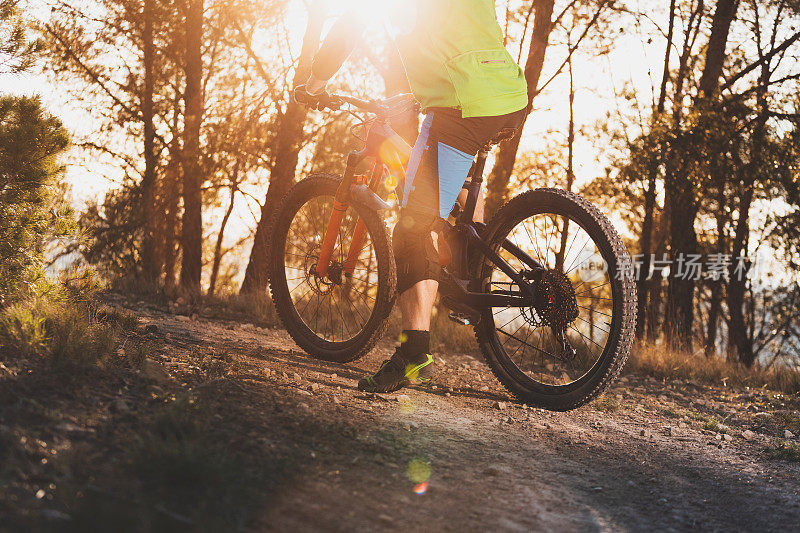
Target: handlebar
370,106
383,108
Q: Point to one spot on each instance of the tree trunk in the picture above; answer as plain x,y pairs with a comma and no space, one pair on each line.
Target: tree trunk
683,242
562,250
680,192
715,304
654,309
645,243
500,176
151,267
172,179
192,226
740,337
171,195
690,35
717,43
714,308
284,164
645,248
738,342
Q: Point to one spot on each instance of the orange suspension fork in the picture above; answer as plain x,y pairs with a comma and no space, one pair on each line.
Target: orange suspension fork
360,230
329,241
355,247
340,205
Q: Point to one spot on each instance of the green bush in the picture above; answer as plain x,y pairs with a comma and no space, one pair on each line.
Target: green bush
62,328
22,331
31,193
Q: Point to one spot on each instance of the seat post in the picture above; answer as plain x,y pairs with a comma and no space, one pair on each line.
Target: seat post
474,188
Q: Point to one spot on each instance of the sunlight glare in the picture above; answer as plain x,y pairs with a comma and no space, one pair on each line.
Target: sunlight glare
371,10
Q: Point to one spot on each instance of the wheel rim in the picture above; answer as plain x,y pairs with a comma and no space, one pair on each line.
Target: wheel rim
336,308
561,244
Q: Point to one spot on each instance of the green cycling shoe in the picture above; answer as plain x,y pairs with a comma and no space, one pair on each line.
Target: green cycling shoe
396,373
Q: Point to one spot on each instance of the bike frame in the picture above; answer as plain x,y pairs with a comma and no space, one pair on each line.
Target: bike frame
388,147
470,234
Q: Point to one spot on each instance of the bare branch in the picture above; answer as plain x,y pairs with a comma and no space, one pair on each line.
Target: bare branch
783,46
572,49
96,78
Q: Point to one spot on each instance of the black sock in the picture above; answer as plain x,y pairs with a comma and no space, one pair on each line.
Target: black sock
415,345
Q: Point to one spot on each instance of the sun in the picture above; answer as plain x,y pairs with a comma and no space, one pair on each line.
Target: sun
372,13
373,10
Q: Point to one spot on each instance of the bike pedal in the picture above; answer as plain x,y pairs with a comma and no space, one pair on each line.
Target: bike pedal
461,319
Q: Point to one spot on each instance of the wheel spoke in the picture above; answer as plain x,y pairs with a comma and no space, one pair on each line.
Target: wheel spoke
532,347
332,311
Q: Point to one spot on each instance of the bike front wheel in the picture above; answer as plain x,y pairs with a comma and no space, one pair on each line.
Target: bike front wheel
565,350
339,317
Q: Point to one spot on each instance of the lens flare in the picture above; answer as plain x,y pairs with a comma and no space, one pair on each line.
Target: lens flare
407,405
421,488
393,153
419,470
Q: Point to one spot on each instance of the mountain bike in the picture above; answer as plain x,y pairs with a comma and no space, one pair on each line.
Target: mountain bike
546,284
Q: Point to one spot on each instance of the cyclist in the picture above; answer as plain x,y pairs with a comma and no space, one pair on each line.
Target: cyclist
470,89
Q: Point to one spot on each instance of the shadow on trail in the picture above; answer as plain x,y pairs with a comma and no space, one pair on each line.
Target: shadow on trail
503,478
302,362
355,371
256,456
484,478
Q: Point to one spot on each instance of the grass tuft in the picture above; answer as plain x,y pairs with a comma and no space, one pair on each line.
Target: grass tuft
787,420
62,329
184,467
255,308
712,424
661,363
117,318
606,404
22,331
784,450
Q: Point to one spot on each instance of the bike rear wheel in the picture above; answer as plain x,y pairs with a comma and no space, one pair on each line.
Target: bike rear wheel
584,259
339,317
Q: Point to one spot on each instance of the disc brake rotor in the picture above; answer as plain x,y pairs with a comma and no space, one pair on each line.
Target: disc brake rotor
322,284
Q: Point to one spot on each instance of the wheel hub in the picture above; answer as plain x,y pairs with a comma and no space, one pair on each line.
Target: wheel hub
323,284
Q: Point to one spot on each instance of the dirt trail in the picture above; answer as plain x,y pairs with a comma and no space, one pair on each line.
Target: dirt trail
646,456
645,465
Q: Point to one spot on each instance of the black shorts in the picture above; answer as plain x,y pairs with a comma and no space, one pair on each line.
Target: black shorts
443,154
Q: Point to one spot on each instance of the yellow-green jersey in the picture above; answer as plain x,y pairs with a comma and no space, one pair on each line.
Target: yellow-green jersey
452,51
